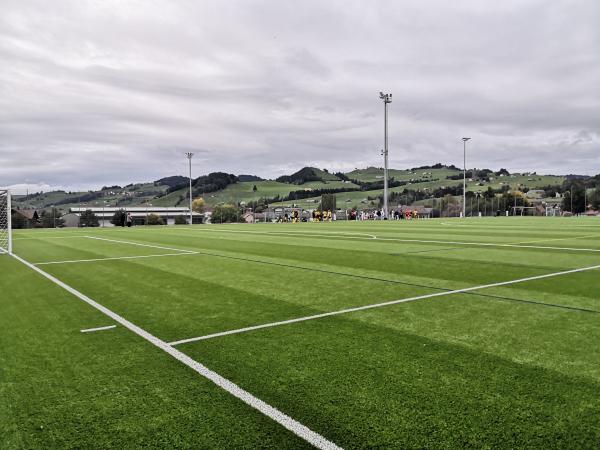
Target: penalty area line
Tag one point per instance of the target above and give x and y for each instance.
(372, 237)
(379, 305)
(114, 258)
(318, 233)
(140, 244)
(273, 413)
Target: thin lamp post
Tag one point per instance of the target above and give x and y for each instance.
(387, 98)
(571, 196)
(465, 139)
(189, 157)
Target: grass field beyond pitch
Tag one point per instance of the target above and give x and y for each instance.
(513, 361)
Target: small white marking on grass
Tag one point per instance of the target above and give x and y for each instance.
(113, 258)
(286, 421)
(90, 330)
(140, 244)
(379, 305)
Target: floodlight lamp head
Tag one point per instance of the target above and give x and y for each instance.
(387, 98)
(465, 139)
(189, 155)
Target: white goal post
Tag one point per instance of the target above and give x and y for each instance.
(5, 222)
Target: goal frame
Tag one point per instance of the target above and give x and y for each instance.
(8, 221)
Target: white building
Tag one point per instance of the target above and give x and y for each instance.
(140, 214)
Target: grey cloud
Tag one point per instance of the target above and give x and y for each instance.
(116, 91)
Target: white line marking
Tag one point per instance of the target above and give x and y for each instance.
(286, 421)
(114, 258)
(49, 237)
(488, 244)
(429, 241)
(453, 224)
(292, 233)
(90, 330)
(557, 239)
(379, 305)
(139, 244)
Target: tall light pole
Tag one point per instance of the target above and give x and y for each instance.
(387, 98)
(464, 208)
(189, 157)
(571, 196)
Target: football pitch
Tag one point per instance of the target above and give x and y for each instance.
(442, 333)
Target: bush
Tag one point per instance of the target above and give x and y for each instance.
(225, 213)
(181, 220)
(154, 219)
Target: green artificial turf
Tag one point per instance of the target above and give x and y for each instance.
(502, 367)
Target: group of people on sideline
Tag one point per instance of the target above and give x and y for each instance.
(329, 216)
(399, 214)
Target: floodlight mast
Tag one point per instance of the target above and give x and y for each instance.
(189, 157)
(387, 98)
(464, 205)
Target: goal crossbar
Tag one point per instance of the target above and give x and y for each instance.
(5, 222)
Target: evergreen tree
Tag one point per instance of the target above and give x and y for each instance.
(88, 219)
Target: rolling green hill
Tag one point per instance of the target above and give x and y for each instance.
(358, 188)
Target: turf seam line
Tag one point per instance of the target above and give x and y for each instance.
(534, 302)
(191, 252)
(286, 421)
(90, 330)
(379, 305)
(387, 280)
(365, 277)
(291, 266)
(112, 258)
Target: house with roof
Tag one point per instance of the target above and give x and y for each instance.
(29, 218)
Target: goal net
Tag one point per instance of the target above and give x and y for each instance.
(5, 225)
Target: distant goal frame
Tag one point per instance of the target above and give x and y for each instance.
(5, 222)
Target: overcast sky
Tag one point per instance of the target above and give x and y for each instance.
(101, 92)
